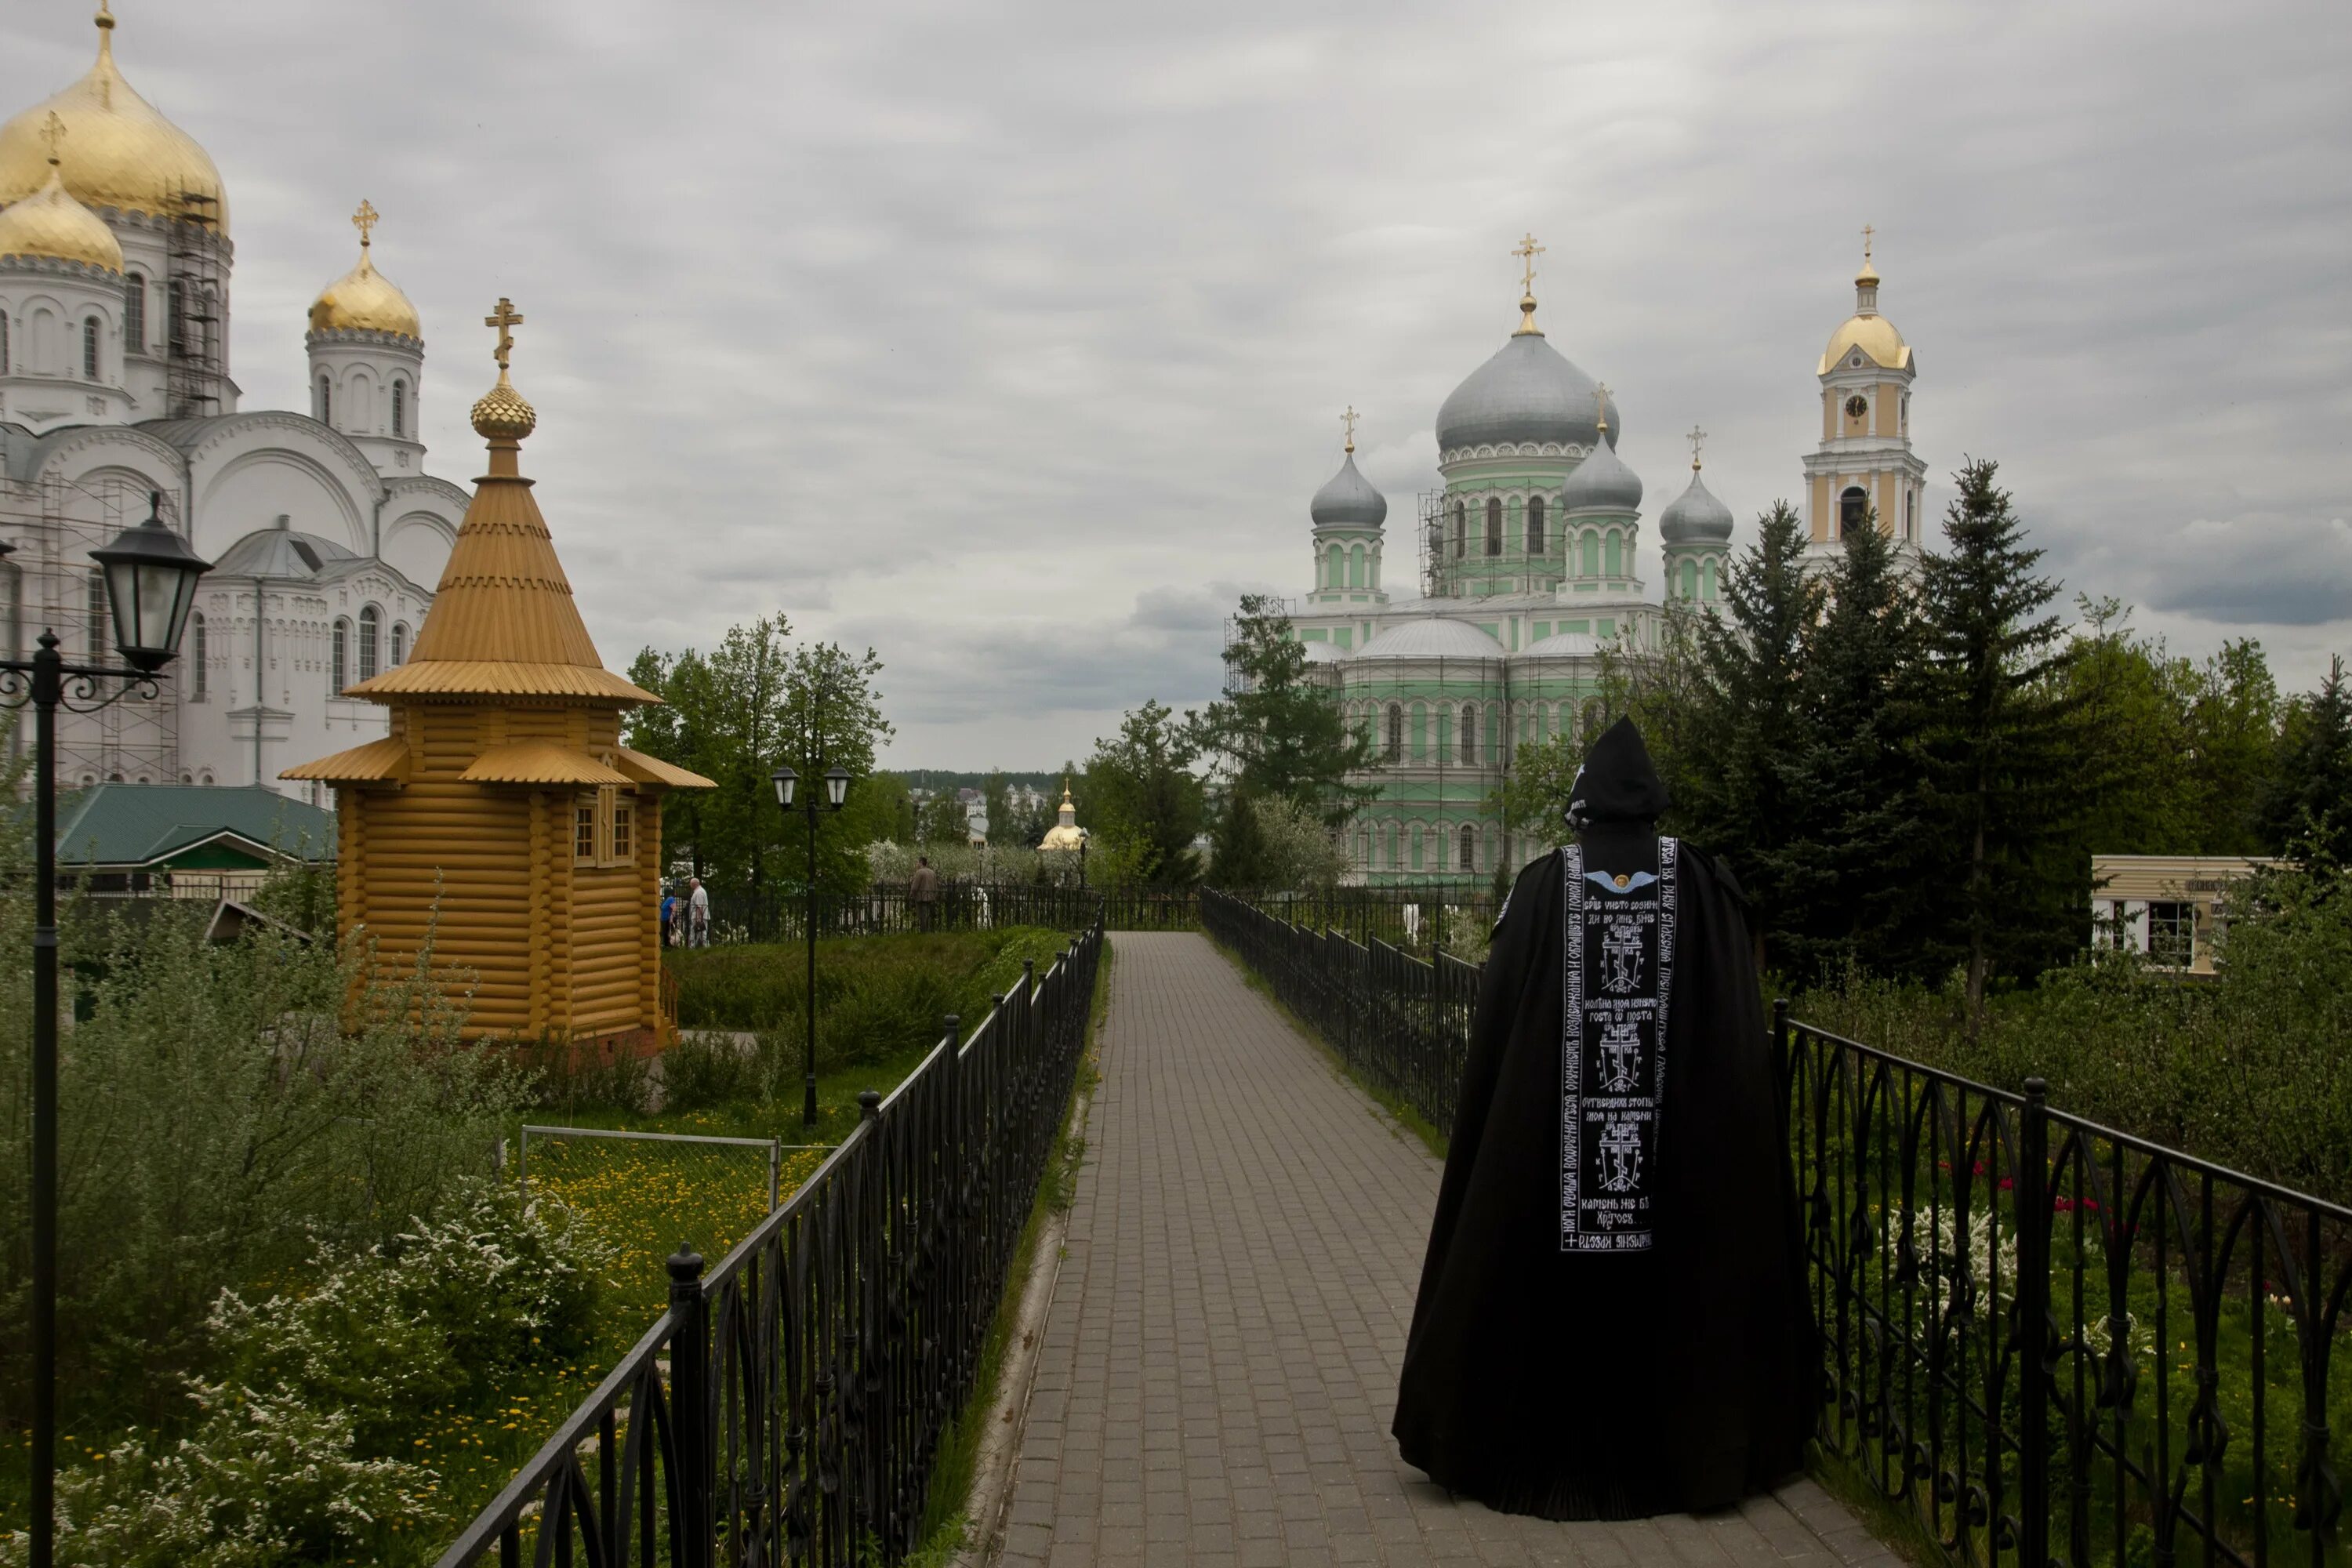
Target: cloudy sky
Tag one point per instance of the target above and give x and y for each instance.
(1012, 339)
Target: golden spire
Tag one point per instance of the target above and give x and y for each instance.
(1868, 277)
(1601, 409)
(1527, 251)
(105, 20)
(1348, 419)
(1695, 436)
(502, 417)
(365, 220)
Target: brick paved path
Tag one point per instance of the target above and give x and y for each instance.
(1219, 1357)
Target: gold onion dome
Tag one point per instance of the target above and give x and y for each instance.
(1867, 330)
(125, 155)
(50, 224)
(365, 300)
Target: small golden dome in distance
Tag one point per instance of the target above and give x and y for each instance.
(365, 300)
(50, 224)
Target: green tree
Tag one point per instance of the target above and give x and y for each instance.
(1278, 731)
(945, 820)
(996, 804)
(2000, 743)
(2309, 808)
(830, 716)
(1144, 800)
(1239, 856)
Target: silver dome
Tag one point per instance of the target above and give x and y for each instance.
(1348, 500)
(1602, 483)
(1528, 392)
(1694, 517)
(1434, 637)
(1565, 645)
(1323, 652)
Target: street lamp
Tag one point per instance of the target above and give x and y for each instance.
(836, 791)
(151, 582)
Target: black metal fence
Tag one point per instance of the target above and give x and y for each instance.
(788, 1406)
(2046, 1341)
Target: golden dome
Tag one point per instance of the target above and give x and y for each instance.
(365, 300)
(121, 153)
(1875, 336)
(501, 414)
(50, 223)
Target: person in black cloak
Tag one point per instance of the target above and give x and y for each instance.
(1612, 1320)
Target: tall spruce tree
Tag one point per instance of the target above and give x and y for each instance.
(1278, 731)
(2310, 807)
(1855, 800)
(1729, 762)
(2002, 744)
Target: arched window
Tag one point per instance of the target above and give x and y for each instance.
(371, 624)
(1493, 525)
(1616, 552)
(1535, 525)
(4, 343)
(1853, 509)
(175, 318)
(1420, 747)
(1690, 579)
(326, 403)
(339, 657)
(94, 608)
(1395, 861)
(1460, 529)
(1707, 576)
(399, 642)
(1469, 861)
(196, 650)
(89, 348)
(1592, 553)
(1355, 566)
(1331, 567)
(1469, 750)
(134, 314)
(1395, 745)
(1910, 514)
(399, 407)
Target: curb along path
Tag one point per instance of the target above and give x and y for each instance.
(1220, 1355)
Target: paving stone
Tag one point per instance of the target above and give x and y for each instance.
(1218, 1364)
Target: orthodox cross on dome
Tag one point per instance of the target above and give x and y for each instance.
(1695, 437)
(52, 133)
(504, 319)
(1601, 405)
(1866, 232)
(1527, 251)
(1348, 419)
(365, 220)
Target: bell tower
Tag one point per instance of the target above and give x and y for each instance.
(1865, 466)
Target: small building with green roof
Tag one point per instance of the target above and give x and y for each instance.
(192, 840)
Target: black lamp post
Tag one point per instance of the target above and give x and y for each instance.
(151, 582)
(836, 791)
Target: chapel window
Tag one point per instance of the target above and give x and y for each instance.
(1853, 509)
(1690, 579)
(1396, 733)
(583, 832)
(1469, 750)
(1493, 525)
(338, 656)
(1469, 861)
(1616, 555)
(371, 625)
(94, 608)
(1910, 514)
(175, 318)
(90, 349)
(1592, 553)
(399, 407)
(624, 823)
(134, 314)
(4, 343)
(399, 643)
(1706, 575)
(326, 403)
(196, 648)
(1535, 525)
(1460, 529)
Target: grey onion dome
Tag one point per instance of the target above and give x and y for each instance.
(1694, 517)
(1528, 392)
(1602, 483)
(1348, 500)
(1432, 636)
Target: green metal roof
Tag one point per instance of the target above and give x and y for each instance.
(152, 824)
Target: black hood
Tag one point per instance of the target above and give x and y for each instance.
(1617, 782)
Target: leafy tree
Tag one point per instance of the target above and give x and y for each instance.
(831, 716)
(945, 821)
(1278, 731)
(2000, 743)
(996, 802)
(1239, 856)
(1144, 800)
(2309, 808)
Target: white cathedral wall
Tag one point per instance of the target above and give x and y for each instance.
(416, 544)
(246, 483)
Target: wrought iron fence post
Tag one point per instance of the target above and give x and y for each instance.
(2033, 1332)
(693, 1536)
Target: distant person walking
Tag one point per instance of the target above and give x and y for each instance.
(669, 917)
(697, 913)
(923, 893)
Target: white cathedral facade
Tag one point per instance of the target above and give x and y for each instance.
(325, 532)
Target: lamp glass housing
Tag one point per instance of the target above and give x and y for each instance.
(151, 585)
(836, 786)
(785, 780)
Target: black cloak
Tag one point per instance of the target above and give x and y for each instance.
(1580, 1383)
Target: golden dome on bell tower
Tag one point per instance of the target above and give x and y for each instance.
(50, 225)
(120, 153)
(365, 300)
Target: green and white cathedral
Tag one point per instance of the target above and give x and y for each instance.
(1526, 582)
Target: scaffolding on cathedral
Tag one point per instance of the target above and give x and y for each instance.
(50, 584)
(192, 294)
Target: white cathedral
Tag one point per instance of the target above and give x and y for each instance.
(325, 532)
